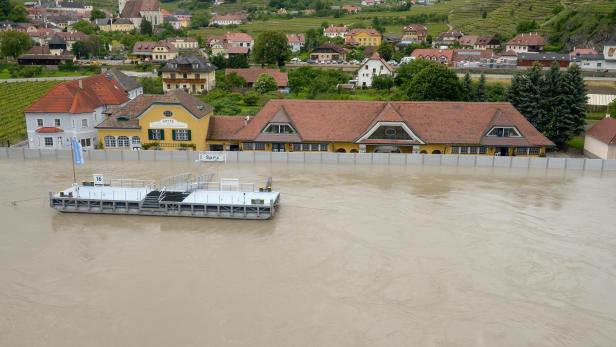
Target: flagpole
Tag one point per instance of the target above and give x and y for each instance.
(73, 162)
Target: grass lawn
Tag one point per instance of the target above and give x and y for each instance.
(577, 143)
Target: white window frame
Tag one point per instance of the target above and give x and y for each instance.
(84, 123)
(517, 132)
(57, 122)
(123, 141)
(136, 140)
(110, 141)
(39, 122)
(400, 124)
(181, 135)
(279, 125)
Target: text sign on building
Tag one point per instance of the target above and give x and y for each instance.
(99, 180)
(168, 123)
(212, 157)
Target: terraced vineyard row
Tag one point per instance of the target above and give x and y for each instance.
(15, 98)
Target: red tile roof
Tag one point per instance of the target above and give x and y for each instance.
(237, 37)
(527, 39)
(369, 31)
(432, 122)
(80, 96)
(251, 75)
(296, 38)
(224, 127)
(335, 29)
(428, 53)
(604, 131)
(416, 28)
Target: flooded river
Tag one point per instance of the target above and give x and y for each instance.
(357, 256)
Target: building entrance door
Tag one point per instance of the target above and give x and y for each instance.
(502, 151)
(277, 147)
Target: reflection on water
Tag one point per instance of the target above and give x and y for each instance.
(368, 256)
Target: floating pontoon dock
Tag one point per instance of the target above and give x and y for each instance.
(180, 195)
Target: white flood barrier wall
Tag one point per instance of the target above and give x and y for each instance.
(446, 160)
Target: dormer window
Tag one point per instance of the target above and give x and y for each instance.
(390, 132)
(504, 132)
(279, 128)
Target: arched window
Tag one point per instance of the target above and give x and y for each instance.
(110, 141)
(136, 140)
(341, 150)
(123, 141)
(436, 151)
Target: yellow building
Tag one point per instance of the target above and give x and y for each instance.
(171, 121)
(113, 25)
(190, 73)
(386, 127)
(164, 51)
(363, 37)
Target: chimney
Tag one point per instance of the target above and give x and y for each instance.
(80, 84)
(246, 120)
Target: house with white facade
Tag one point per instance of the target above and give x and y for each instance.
(375, 66)
(600, 140)
(72, 109)
(526, 42)
(335, 31)
(296, 42)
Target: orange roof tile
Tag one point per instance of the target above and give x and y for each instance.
(251, 75)
(604, 131)
(433, 122)
(80, 96)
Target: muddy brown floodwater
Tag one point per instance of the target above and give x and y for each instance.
(357, 256)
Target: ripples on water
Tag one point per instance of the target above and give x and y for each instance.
(356, 256)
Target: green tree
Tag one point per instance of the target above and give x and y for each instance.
(14, 43)
(386, 50)
(383, 82)
(97, 14)
(406, 72)
(251, 98)
(265, 83)
(314, 39)
(271, 47)
(152, 85)
(12, 10)
(467, 87)
(525, 94)
(85, 27)
(527, 26)
(554, 101)
(480, 91)
(435, 82)
(229, 81)
(146, 27)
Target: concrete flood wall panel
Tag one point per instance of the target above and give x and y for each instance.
(381, 159)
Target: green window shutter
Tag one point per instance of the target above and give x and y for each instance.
(150, 134)
(189, 135)
(173, 136)
(162, 134)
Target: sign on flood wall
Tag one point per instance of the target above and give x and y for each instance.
(451, 160)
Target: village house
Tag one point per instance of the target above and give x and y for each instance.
(600, 140)
(172, 121)
(609, 54)
(375, 66)
(328, 52)
(351, 9)
(72, 109)
(296, 42)
(470, 58)
(42, 55)
(286, 125)
(182, 18)
(71, 37)
(137, 10)
(545, 59)
(443, 56)
(335, 31)
(363, 37)
(479, 42)
(231, 43)
(115, 25)
(229, 19)
(156, 51)
(128, 83)
(183, 43)
(190, 73)
(526, 42)
(414, 33)
(252, 75)
(449, 38)
(372, 2)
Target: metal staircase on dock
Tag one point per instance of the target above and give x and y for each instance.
(151, 200)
